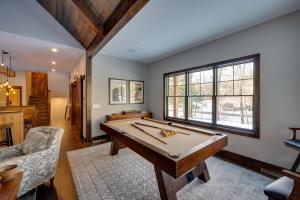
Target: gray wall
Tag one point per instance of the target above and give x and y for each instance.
(58, 83)
(278, 42)
(105, 67)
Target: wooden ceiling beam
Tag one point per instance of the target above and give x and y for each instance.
(97, 39)
(87, 13)
(126, 10)
(58, 10)
(117, 14)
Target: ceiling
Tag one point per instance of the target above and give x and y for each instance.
(92, 22)
(163, 28)
(30, 29)
(28, 18)
(36, 55)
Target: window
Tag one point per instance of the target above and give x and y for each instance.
(222, 96)
(200, 95)
(176, 96)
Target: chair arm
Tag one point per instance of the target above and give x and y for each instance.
(294, 130)
(12, 151)
(40, 158)
(24, 159)
(32, 161)
(295, 194)
(37, 168)
(292, 175)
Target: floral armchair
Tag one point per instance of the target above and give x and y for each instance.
(37, 157)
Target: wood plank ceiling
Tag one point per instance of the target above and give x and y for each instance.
(93, 22)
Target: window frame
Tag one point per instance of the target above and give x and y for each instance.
(167, 96)
(254, 133)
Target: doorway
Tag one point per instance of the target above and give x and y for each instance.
(76, 99)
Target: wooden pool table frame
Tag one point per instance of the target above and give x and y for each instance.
(172, 173)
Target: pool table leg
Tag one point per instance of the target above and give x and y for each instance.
(165, 185)
(114, 147)
(168, 186)
(204, 176)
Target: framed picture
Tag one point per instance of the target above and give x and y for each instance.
(136, 92)
(117, 91)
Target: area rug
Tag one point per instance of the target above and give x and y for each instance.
(128, 176)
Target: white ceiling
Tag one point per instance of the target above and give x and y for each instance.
(29, 32)
(29, 18)
(166, 27)
(36, 55)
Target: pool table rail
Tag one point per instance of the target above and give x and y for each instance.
(161, 159)
(150, 152)
(183, 126)
(200, 153)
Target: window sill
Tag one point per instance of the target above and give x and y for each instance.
(246, 133)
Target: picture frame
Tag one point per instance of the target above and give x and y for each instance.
(136, 92)
(117, 91)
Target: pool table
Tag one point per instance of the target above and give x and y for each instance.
(177, 159)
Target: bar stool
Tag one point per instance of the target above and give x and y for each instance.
(9, 140)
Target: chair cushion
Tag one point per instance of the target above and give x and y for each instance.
(280, 189)
(35, 141)
(294, 143)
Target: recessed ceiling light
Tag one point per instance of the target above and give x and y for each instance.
(53, 70)
(53, 63)
(54, 50)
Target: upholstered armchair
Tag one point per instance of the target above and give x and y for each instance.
(37, 157)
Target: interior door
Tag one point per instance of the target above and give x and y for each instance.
(73, 103)
(77, 105)
(39, 84)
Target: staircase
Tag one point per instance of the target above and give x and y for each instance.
(40, 97)
(43, 106)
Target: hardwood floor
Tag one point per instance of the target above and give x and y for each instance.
(64, 188)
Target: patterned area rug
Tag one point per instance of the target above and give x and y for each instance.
(127, 176)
